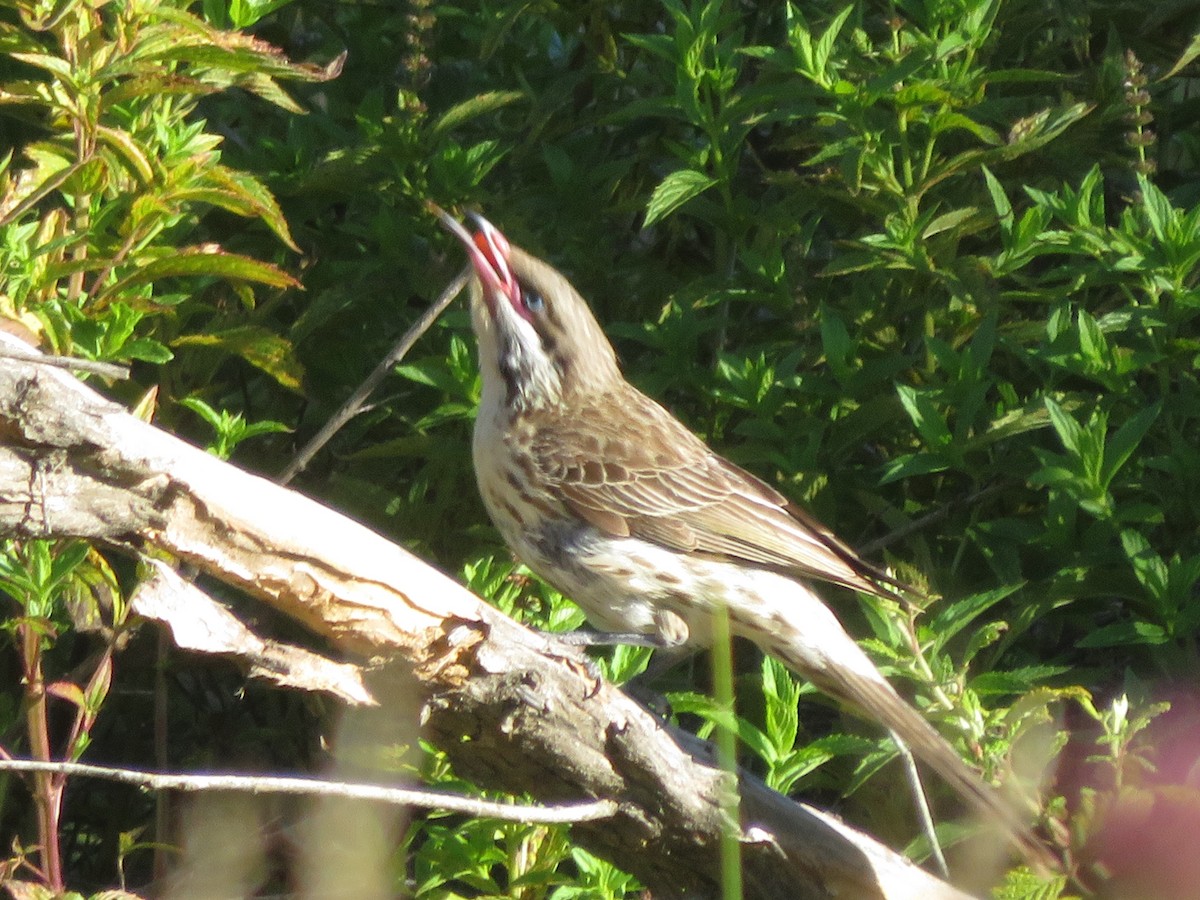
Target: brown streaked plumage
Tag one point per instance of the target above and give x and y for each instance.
(612, 500)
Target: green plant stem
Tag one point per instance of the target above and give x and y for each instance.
(162, 804)
(731, 848)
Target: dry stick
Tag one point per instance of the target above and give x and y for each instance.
(870, 548)
(108, 370)
(921, 802)
(584, 811)
(354, 404)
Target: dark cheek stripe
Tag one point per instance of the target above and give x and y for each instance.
(508, 371)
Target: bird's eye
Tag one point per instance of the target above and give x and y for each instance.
(533, 300)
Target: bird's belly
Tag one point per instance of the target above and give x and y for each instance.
(626, 584)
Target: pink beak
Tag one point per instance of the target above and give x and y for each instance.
(488, 250)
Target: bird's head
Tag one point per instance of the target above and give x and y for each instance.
(538, 340)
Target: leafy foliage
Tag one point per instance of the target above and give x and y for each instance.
(929, 267)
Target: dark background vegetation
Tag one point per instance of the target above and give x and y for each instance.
(927, 267)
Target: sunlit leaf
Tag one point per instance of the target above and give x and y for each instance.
(203, 262)
(476, 106)
(260, 347)
(675, 190)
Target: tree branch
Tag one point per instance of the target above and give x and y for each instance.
(514, 710)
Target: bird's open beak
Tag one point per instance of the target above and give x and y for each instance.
(488, 250)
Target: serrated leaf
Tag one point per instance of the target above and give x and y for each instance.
(476, 106)
(130, 150)
(1015, 681)
(202, 262)
(1025, 884)
(248, 189)
(268, 89)
(675, 190)
(32, 192)
(55, 65)
(261, 348)
(952, 619)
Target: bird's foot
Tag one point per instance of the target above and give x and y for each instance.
(650, 700)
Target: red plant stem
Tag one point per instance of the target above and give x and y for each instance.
(48, 788)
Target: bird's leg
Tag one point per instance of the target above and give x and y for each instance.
(670, 632)
(590, 637)
(669, 639)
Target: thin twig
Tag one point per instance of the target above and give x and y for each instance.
(108, 370)
(921, 801)
(869, 549)
(274, 784)
(355, 402)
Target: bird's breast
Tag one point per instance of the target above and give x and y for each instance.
(515, 496)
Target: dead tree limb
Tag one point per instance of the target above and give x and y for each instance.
(514, 710)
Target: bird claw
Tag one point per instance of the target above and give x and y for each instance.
(650, 700)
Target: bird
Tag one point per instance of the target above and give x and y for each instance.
(616, 504)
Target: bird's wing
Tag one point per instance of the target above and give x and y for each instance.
(631, 469)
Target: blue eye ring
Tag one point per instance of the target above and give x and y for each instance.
(534, 302)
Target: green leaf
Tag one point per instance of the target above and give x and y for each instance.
(1025, 884)
(203, 410)
(202, 262)
(1159, 211)
(1124, 633)
(1125, 440)
(836, 342)
(1000, 201)
(1069, 431)
(1190, 52)
(929, 422)
(949, 220)
(675, 190)
(257, 199)
(261, 348)
(130, 150)
(911, 464)
(146, 349)
(957, 616)
(1015, 681)
(1148, 566)
(476, 106)
(55, 65)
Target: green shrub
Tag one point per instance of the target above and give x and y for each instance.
(928, 267)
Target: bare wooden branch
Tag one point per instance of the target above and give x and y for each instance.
(199, 623)
(514, 710)
(357, 400)
(108, 370)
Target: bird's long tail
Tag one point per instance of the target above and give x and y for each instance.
(809, 640)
